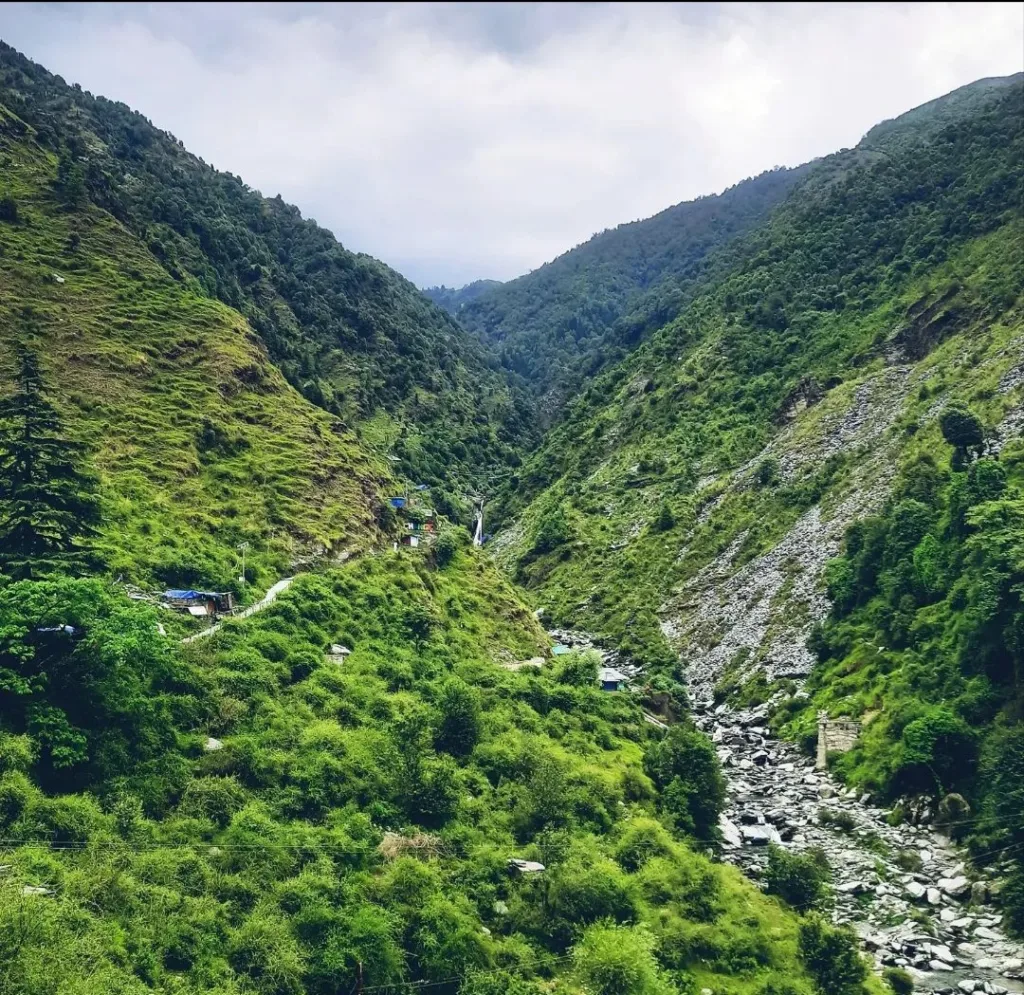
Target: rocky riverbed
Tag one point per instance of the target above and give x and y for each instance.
(906, 890)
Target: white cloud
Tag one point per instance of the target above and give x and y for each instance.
(456, 141)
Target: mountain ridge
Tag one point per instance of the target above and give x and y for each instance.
(576, 314)
(355, 337)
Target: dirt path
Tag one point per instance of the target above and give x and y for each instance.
(268, 599)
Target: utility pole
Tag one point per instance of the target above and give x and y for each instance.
(243, 546)
(359, 982)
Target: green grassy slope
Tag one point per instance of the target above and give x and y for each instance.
(351, 334)
(357, 820)
(200, 442)
(568, 319)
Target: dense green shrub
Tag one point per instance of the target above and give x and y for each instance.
(666, 519)
(832, 957)
(615, 960)
(901, 982)
(963, 430)
(553, 530)
(938, 752)
(685, 768)
(799, 879)
(459, 726)
(445, 547)
(579, 669)
(580, 894)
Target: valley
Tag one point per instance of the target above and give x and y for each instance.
(750, 466)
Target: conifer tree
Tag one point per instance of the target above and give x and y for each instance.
(48, 501)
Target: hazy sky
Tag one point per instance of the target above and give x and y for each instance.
(458, 141)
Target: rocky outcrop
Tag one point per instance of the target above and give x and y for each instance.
(725, 609)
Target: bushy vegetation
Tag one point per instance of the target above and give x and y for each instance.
(801, 880)
(901, 982)
(349, 820)
(831, 957)
(926, 621)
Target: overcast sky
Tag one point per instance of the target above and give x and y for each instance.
(458, 141)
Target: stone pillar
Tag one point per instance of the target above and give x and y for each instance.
(821, 761)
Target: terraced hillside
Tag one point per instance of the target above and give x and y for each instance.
(353, 336)
(200, 442)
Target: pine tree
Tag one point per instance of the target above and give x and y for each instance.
(70, 182)
(48, 502)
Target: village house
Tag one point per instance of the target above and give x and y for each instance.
(199, 603)
(611, 679)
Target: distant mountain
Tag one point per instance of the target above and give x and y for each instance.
(353, 336)
(568, 319)
(453, 300)
(927, 119)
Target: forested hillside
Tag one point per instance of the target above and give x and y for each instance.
(835, 290)
(687, 507)
(454, 299)
(567, 320)
(353, 336)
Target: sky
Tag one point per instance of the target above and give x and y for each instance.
(460, 141)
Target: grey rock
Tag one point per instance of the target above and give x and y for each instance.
(958, 887)
(916, 890)
(761, 835)
(730, 834)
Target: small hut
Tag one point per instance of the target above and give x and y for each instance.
(199, 603)
(612, 679)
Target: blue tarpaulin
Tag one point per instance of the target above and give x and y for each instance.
(398, 502)
(185, 595)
